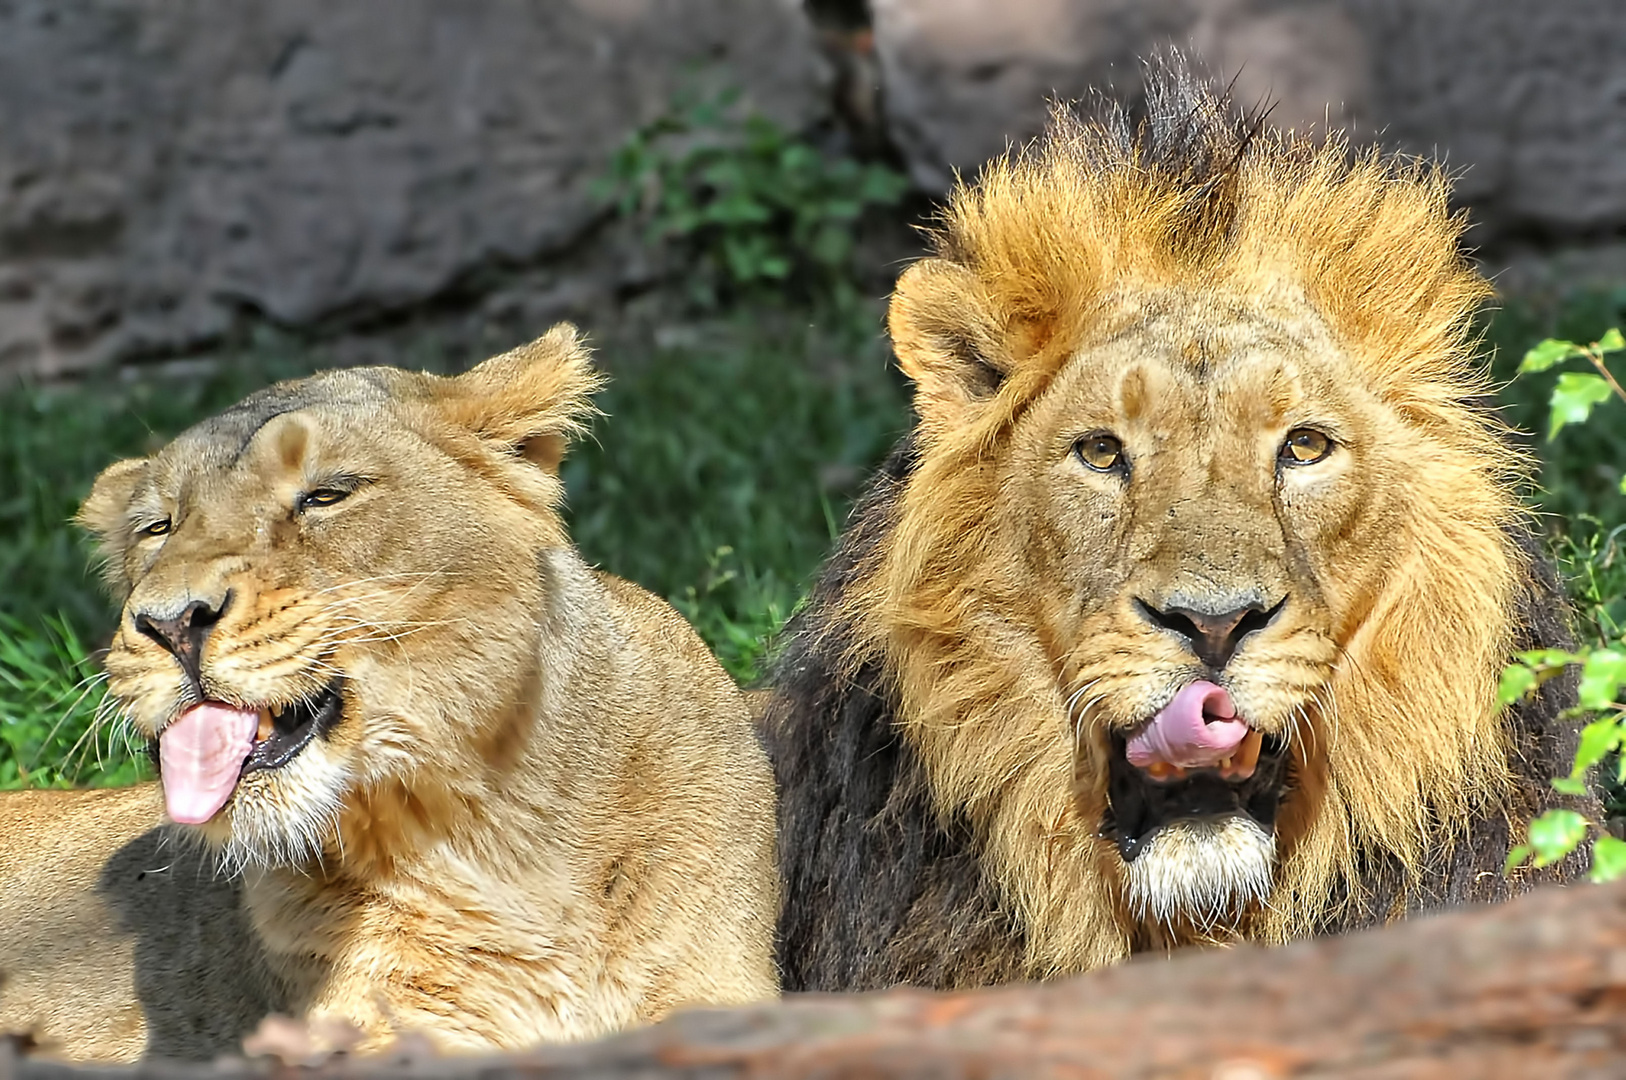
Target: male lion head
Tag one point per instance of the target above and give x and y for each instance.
(1193, 591)
(333, 585)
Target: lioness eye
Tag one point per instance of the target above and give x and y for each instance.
(1304, 446)
(1100, 451)
(157, 528)
(322, 497)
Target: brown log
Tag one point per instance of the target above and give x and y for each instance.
(1533, 988)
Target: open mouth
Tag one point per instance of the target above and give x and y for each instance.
(1194, 759)
(283, 733)
(205, 751)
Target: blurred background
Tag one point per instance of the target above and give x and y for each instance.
(199, 198)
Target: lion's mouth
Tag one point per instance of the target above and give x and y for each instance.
(282, 733)
(1195, 759)
(205, 751)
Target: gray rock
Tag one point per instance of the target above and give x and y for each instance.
(170, 166)
(1525, 100)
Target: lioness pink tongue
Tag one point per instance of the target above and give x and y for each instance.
(200, 756)
(1194, 731)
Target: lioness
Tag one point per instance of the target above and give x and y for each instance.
(470, 786)
(1179, 616)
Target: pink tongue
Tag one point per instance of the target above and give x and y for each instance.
(1195, 730)
(200, 756)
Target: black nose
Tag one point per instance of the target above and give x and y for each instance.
(183, 634)
(1214, 638)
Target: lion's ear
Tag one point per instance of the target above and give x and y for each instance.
(534, 399)
(947, 341)
(105, 512)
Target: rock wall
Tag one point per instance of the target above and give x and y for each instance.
(171, 167)
(1527, 100)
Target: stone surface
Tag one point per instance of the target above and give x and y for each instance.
(1525, 100)
(1535, 987)
(171, 167)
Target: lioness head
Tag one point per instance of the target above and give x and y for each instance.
(1198, 589)
(334, 584)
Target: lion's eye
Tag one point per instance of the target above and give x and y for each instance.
(157, 528)
(1304, 446)
(322, 497)
(1100, 451)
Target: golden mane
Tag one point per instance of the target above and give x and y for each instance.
(1032, 264)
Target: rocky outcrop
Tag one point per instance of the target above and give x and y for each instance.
(1524, 100)
(170, 167)
(1536, 987)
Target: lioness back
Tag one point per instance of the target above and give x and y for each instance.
(456, 781)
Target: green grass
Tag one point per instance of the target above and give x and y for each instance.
(718, 478)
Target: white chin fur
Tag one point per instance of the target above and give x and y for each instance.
(1205, 871)
(283, 817)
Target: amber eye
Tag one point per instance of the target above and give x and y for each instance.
(1100, 451)
(157, 528)
(1304, 446)
(322, 497)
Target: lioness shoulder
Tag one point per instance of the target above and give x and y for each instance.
(463, 783)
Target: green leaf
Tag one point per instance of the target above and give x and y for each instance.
(1612, 341)
(1601, 678)
(1517, 681)
(1555, 834)
(1549, 657)
(1549, 352)
(1597, 739)
(1573, 398)
(1623, 484)
(1608, 859)
(1516, 858)
(1569, 785)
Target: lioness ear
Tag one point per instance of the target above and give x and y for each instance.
(947, 341)
(105, 513)
(534, 399)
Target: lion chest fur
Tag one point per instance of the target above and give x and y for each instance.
(470, 786)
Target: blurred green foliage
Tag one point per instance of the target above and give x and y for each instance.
(745, 207)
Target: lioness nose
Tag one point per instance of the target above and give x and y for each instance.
(183, 634)
(1214, 638)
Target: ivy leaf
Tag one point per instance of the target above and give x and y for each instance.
(1612, 341)
(1517, 681)
(1555, 834)
(1573, 398)
(1601, 676)
(1608, 859)
(1549, 352)
(1516, 858)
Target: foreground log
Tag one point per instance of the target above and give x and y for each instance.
(1536, 987)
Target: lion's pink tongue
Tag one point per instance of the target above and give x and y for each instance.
(200, 756)
(1194, 731)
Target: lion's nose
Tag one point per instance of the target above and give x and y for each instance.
(1213, 637)
(183, 634)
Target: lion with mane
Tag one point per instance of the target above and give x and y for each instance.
(1179, 616)
(427, 770)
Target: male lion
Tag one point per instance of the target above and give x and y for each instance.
(1179, 615)
(472, 787)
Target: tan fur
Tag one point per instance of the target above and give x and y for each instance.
(67, 967)
(544, 814)
(1078, 288)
